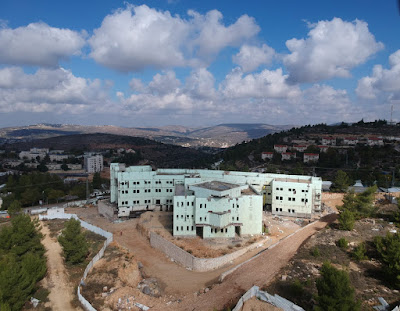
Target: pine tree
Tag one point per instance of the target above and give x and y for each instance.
(335, 291)
(73, 242)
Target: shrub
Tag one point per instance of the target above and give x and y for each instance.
(342, 243)
(389, 249)
(346, 220)
(73, 242)
(315, 252)
(335, 291)
(359, 252)
(296, 288)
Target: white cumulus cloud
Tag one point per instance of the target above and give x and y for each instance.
(140, 37)
(50, 90)
(268, 83)
(251, 57)
(331, 49)
(38, 44)
(382, 81)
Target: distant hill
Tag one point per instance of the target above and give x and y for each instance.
(219, 136)
(152, 152)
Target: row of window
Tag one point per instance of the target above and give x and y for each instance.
(187, 204)
(186, 216)
(215, 230)
(146, 182)
(289, 210)
(187, 228)
(233, 205)
(145, 190)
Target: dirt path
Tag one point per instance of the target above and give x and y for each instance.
(56, 280)
(261, 270)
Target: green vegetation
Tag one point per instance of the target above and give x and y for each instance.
(22, 262)
(341, 182)
(389, 250)
(356, 206)
(343, 243)
(335, 291)
(74, 243)
(346, 220)
(359, 252)
(315, 252)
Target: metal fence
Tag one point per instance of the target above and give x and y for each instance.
(84, 224)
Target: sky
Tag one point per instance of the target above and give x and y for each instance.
(198, 63)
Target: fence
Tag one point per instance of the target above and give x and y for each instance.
(84, 224)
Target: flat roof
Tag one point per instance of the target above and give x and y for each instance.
(304, 181)
(216, 185)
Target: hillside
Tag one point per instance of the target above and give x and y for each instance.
(360, 161)
(219, 136)
(152, 152)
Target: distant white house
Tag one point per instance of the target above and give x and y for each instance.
(267, 155)
(94, 163)
(311, 157)
(300, 148)
(288, 155)
(323, 148)
(280, 148)
(331, 141)
(350, 141)
(374, 141)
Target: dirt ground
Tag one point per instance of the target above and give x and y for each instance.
(161, 223)
(56, 280)
(189, 290)
(296, 281)
(253, 304)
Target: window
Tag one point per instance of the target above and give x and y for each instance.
(205, 218)
(222, 230)
(237, 205)
(181, 216)
(187, 203)
(201, 218)
(192, 228)
(276, 209)
(277, 189)
(281, 198)
(293, 199)
(237, 218)
(233, 205)
(182, 228)
(201, 205)
(205, 205)
(226, 230)
(192, 203)
(138, 191)
(280, 210)
(177, 228)
(290, 199)
(277, 198)
(281, 189)
(177, 216)
(233, 218)
(302, 200)
(187, 228)
(290, 189)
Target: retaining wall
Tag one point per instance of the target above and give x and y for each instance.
(194, 263)
(105, 209)
(106, 234)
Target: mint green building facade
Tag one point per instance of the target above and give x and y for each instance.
(212, 203)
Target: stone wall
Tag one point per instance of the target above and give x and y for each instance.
(105, 209)
(194, 263)
(171, 250)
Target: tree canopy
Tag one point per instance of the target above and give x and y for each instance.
(335, 291)
(73, 241)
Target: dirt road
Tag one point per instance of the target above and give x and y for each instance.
(259, 271)
(180, 282)
(56, 280)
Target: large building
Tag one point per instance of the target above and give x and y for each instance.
(213, 203)
(94, 163)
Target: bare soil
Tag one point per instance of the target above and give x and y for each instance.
(189, 290)
(296, 281)
(56, 280)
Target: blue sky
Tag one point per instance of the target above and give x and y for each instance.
(198, 63)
